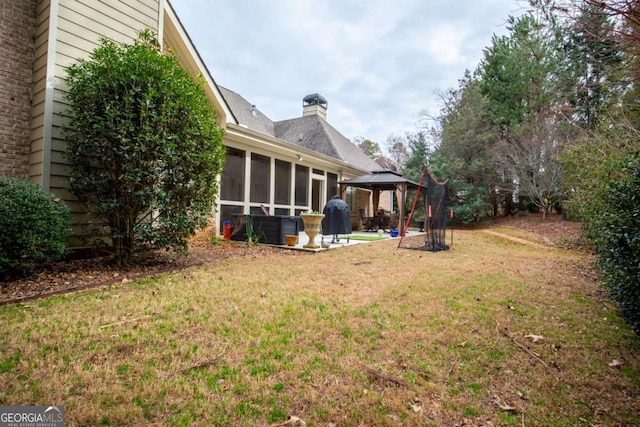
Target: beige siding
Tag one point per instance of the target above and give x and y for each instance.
(39, 87)
(36, 166)
(78, 26)
(81, 25)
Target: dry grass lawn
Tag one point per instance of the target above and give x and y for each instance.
(503, 329)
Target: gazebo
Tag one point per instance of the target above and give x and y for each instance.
(382, 180)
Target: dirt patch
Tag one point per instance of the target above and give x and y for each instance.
(79, 274)
(520, 240)
(553, 230)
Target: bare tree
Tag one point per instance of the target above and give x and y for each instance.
(397, 149)
(532, 159)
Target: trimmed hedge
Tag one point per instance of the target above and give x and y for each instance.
(34, 227)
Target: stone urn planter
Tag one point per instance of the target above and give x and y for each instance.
(311, 228)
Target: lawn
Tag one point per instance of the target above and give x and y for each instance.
(495, 331)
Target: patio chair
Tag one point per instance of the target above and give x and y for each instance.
(368, 222)
(382, 220)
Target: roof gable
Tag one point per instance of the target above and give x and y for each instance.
(310, 131)
(317, 134)
(306, 132)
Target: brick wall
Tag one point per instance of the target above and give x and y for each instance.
(17, 45)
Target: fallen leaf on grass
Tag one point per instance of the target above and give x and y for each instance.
(535, 338)
(507, 407)
(503, 405)
(292, 421)
(615, 363)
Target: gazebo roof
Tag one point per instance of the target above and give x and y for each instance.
(383, 179)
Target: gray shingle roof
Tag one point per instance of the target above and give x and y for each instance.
(246, 113)
(317, 134)
(383, 179)
(310, 132)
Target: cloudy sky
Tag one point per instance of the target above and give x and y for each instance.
(379, 63)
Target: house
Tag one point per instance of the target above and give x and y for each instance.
(286, 167)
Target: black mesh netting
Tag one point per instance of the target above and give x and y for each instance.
(429, 215)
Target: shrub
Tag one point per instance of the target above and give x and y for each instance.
(618, 244)
(470, 204)
(605, 194)
(34, 227)
(143, 145)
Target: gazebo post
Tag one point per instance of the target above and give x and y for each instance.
(376, 200)
(403, 190)
(343, 191)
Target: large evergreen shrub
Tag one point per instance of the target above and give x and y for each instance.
(605, 195)
(144, 145)
(618, 241)
(33, 224)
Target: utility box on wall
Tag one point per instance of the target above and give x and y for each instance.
(269, 229)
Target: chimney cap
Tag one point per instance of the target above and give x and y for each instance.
(314, 99)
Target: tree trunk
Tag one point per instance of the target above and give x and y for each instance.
(123, 251)
(508, 203)
(122, 242)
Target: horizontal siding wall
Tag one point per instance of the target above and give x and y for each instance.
(79, 26)
(39, 92)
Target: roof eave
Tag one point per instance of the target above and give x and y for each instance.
(243, 135)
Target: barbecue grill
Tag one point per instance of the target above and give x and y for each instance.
(337, 219)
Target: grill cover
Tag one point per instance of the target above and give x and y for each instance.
(337, 217)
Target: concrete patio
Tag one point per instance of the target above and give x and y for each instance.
(355, 238)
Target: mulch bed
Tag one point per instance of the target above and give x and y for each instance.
(78, 274)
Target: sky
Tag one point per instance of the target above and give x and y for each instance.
(380, 64)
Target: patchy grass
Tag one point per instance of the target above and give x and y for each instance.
(493, 331)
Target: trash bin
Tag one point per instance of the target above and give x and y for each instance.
(226, 228)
